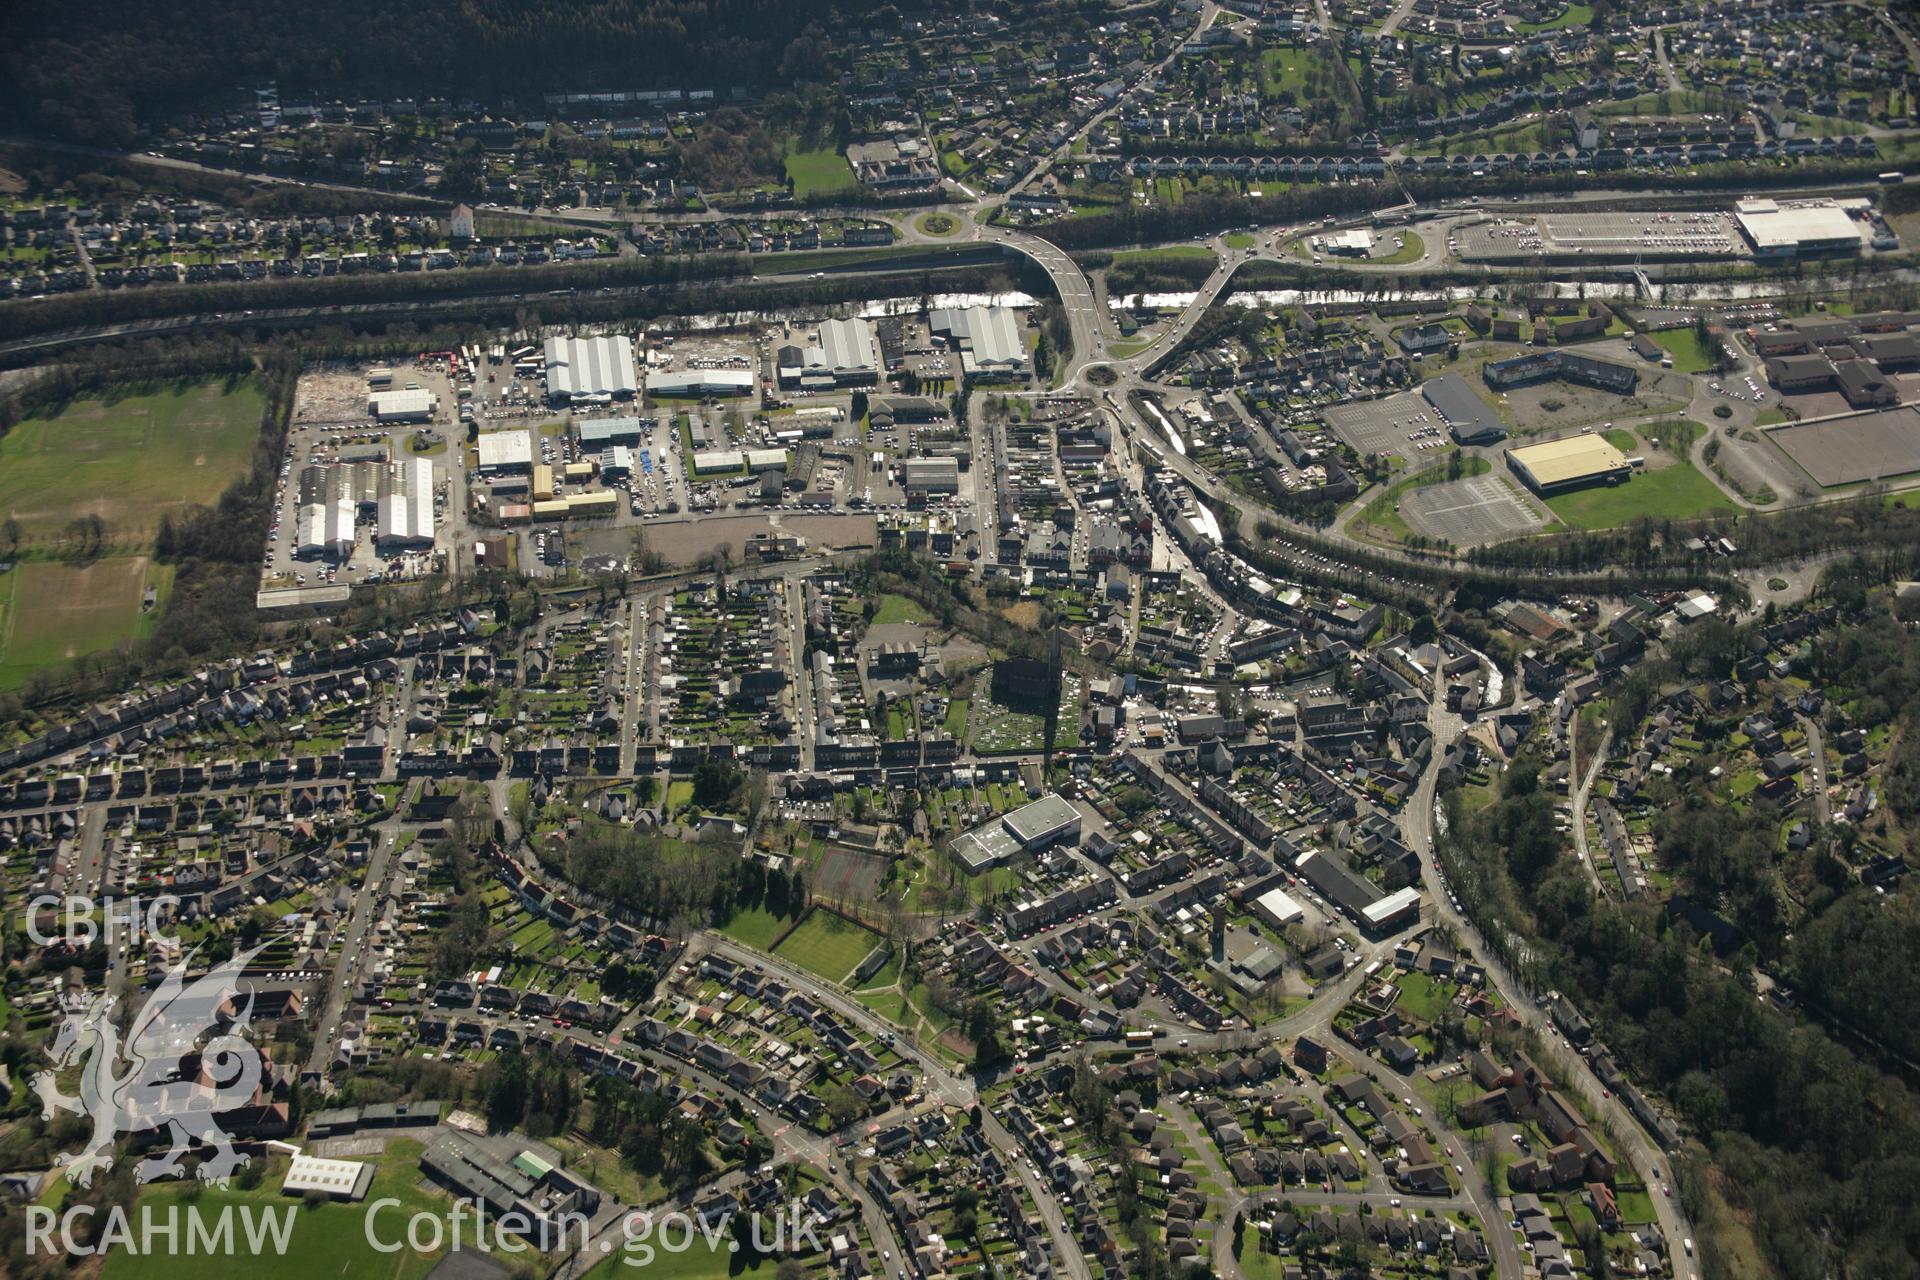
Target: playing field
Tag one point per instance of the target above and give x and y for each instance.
(51, 611)
(326, 1241)
(128, 459)
(1676, 492)
(818, 173)
(699, 1261)
(828, 944)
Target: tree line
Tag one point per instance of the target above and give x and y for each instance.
(1868, 524)
(1813, 1142)
(139, 64)
(102, 306)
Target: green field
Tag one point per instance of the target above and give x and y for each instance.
(1410, 250)
(696, 1263)
(1675, 435)
(1688, 352)
(128, 459)
(326, 1241)
(1577, 15)
(899, 609)
(1172, 253)
(1676, 492)
(818, 173)
(757, 927)
(828, 944)
(51, 611)
(1288, 69)
(1240, 240)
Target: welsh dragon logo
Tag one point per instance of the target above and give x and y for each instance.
(173, 1083)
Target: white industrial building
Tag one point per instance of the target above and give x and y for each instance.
(930, 475)
(846, 353)
(701, 382)
(986, 338)
(412, 404)
(1278, 909)
(505, 452)
(406, 505)
(591, 370)
(710, 461)
(1797, 227)
(335, 1179)
(326, 529)
(1356, 242)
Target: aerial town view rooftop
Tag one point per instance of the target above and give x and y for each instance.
(1100, 640)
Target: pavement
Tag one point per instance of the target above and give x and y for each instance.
(355, 946)
(1632, 1146)
(1581, 794)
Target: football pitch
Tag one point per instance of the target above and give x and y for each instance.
(128, 459)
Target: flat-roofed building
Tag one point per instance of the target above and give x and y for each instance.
(410, 404)
(1470, 419)
(1033, 826)
(1355, 242)
(502, 452)
(1398, 908)
(345, 1180)
(597, 434)
(582, 506)
(1798, 227)
(1042, 822)
(526, 1192)
(700, 382)
(1569, 463)
(591, 370)
(1277, 908)
(759, 460)
(930, 475)
(718, 460)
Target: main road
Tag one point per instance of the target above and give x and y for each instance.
(1417, 822)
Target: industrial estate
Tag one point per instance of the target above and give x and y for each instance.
(1087, 641)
